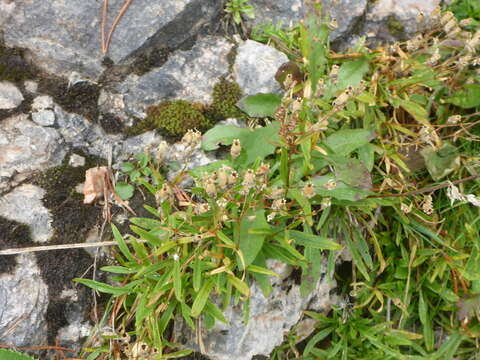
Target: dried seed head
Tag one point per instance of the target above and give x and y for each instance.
(279, 204)
(406, 209)
(326, 202)
(165, 193)
(454, 32)
(450, 25)
(236, 148)
(263, 169)
(296, 105)
(191, 137)
(222, 203)
(446, 17)
(288, 83)
(210, 188)
(454, 119)
(271, 216)
(308, 191)
(223, 177)
(320, 88)
(476, 61)
(435, 57)
(333, 25)
(330, 185)
(466, 22)
(421, 17)
(464, 61)
(232, 178)
(427, 205)
(321, 125)
(201, 208)
(249, 179)
(276, 193)
(342, 99)
(162, 150)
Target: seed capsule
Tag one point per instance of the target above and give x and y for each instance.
(236, 148)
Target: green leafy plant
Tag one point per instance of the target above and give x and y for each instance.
(239, 8)
(371, 152)
(6, 354)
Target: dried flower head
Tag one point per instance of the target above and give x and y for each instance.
(333, 24)
(249, 179)
(162, 150)
(326, 202)
(232, 178)
(210, 188)
(446, 17)
(263, 169)
(236, 148)
(330, 185)
(201, 208)
(308, 191)
(454, 119)
(191, 137)
(427, 204)
(279, 204)
(406, 209)
(165, 193)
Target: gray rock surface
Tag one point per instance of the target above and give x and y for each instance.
(270, 319)
(26, 146)
(23, 304)
(388, 20)
(188, 75)
(64, 36)
(348, 14)
(10, 96)
(284, 12)
(255, 67)
(24, 204)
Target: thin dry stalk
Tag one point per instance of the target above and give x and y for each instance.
(106, 43)
(61, 247)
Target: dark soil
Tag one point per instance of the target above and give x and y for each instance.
(111, 123)
(12, 235)
(71, 221)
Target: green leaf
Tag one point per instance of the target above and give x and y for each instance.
(341, 191)
(351, 73)
(177, 280)
(354, 173)
(122, 245)
(417, 111)
(260, 105)
(105, 288)
(118, 270)
(257, 143)
(261, 270)
(441, 162)
(314, 241)
(146, 235)
(197, 274)
(6, 354)
(214, 311)
(146, 223)
(239, 285)
(127, 167)
(124, 190)
(343, 142)
(319, 336)
(201, 298)
(251, 243)
(468, 97)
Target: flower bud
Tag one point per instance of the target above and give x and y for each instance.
(236, 148)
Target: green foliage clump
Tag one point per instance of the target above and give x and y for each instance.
(225, 95)
(6, 354)
(175, 117)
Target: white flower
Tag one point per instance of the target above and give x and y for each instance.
(454, 194)
(474, 200)
(176, 257)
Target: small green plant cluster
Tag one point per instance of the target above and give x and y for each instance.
(6, 354)
(175, 117)
(238, 9)
(374, 153)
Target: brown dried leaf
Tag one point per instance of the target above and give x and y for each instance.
(94, 184)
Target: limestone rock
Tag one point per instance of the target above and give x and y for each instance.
(188, 75)
(24, 204)
(64, 36)
(10, 96)
(389, 20)
(255, 67)
(270, 319)
(23, 304)
(26, 146)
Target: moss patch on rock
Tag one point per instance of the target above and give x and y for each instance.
(173, 118)
(395, 27)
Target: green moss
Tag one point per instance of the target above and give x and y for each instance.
(12, 65)
(225, 95)
(174, 117)
(396, 28)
